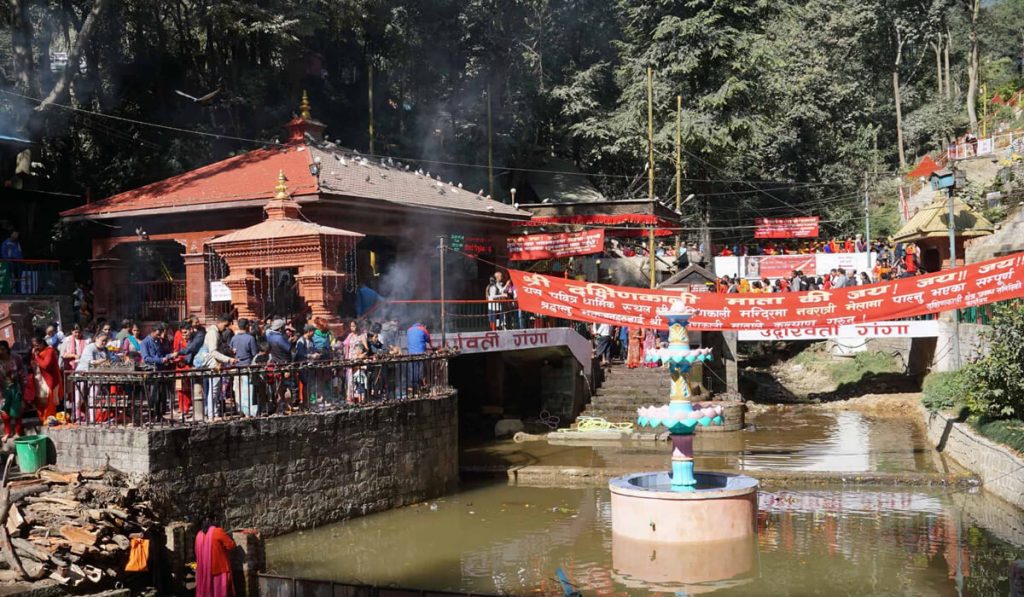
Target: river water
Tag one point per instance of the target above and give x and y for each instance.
(794, 439)
(495, 538)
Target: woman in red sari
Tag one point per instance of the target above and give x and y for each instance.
(184, 386)
(48, 377)
(213, 562)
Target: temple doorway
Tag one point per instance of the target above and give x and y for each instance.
(277, 292)
(153, 284)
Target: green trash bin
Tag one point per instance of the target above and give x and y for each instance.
(31, 451)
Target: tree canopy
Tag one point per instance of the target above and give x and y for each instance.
(788, 105)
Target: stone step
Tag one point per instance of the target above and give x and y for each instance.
(660, 387)
(630, 397)
(626, 387)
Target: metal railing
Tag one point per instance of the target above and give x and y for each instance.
(158, 300)
(474, 316)
(33, 276)
(122, 397)
(1012, 141)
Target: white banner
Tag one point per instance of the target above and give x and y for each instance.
(858, 331)
(823, 263)
(474, 342)
(219, 291)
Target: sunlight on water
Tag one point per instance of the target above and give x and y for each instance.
(502, 539)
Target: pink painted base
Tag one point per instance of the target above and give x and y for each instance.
(644, 509)
(668, 567)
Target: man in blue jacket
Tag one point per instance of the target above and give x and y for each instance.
(418, 339)
(152, 351)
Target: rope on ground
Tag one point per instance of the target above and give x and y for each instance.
(546, 419)
(585, 423)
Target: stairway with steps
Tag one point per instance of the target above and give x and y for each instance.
(624, 390)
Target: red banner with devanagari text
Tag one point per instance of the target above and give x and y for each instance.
(806, 227)
(555, 246)
(970, 286)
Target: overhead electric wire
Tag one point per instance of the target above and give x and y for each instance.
(265, 143)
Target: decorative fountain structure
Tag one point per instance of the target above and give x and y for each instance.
(682, 506)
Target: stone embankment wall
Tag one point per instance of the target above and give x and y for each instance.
(1000, 469)
(280, 474)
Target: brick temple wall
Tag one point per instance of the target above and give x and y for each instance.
(281, 474)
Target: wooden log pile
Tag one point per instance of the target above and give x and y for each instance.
(73, 527)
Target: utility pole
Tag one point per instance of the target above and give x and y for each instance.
(490, 146)
(650, 174)
(650, 133)
(679, 169)
(867, 217)
(369, 98)
(705, 237)
(951, 220)
(984, 111)
(652, 264)
(444, 328)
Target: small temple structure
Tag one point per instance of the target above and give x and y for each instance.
(164, 251)
(317, 253)
(929, 230)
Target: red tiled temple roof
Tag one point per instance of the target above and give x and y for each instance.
(243, 178)
(239, 178)
(343, 173)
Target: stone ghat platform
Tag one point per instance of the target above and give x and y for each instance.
(281, 474)
(538, 475)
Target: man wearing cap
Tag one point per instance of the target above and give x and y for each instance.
(280, 347)
(218, 354)
(280, 353)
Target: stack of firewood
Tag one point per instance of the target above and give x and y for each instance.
(73, 527)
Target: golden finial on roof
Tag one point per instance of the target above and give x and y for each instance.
(304, 107)
(282, 187)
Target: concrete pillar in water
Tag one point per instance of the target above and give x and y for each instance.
(1017, 578)
(249, 560)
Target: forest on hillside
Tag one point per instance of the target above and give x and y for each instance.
(788, 106)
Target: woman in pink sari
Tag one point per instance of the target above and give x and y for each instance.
(650, 343)
(213, 562)
(354, 346)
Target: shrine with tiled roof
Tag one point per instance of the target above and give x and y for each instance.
(169, 223)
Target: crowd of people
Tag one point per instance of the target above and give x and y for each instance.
(902, 261)
(628, 344)
(855, 244)
(228, 346)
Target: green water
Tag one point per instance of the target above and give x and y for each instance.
(502, 539)
(797, 439)
(495, 538)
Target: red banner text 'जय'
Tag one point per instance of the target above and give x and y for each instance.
(970, 286)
